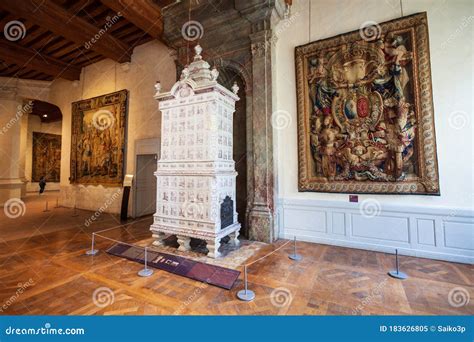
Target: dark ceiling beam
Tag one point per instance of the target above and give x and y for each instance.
(28, 58)
(54, 18)
(142, 13)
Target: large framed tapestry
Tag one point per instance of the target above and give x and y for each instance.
(365, 111)
(98, 139)
(46, 157)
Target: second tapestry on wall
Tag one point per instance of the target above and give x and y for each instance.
(46, 157)
(365, 111)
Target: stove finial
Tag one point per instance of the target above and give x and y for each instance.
(235, 88)
(197, 50)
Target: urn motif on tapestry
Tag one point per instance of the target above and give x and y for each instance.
(196, 173)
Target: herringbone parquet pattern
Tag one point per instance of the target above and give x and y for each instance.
(48, 273)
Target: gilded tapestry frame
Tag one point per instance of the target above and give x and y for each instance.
(98, 139)
(314, 148)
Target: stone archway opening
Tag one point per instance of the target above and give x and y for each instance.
(227, 77)
(43, 146)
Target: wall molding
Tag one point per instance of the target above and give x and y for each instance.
(443, 233)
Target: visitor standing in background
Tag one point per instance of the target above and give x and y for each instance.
(42, 184)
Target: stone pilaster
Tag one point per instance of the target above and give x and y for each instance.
(261, 210)
(11, 114)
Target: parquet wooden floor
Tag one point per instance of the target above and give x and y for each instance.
(43, 270)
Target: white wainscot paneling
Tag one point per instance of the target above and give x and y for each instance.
(430, 232)
(459, 235)
(426, 232)
(339, 223)
(311, 221)
(380, 227)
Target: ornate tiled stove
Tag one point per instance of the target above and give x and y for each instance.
(196, 173)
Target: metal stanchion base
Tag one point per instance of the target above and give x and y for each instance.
(397, 275)
(146, 272)
(92, 252)
(295, 257)
(246, 295)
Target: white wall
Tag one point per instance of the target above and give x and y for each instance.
(35, 125)
(150, 62)
(451, 33)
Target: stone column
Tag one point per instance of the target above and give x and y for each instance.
(11, 113)
(261, 212)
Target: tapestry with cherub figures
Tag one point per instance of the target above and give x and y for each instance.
(365, 111)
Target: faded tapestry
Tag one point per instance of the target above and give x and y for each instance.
(98, 139)
(46, 157)
(365, 111)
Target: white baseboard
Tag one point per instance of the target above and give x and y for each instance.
(427, 232)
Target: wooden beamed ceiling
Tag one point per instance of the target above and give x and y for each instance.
(48, 39)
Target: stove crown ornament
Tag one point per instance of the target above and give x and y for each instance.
(158, 87)
(197, 76)
(185, 73)
(235, 88)
(214, 73)
(198, 50)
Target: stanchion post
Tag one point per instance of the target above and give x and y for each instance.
(92, 251)
(396, 273)
(295, 256)
(57, 203)
(246, 294)
(74, 213)
(46, 207)
(146, 272)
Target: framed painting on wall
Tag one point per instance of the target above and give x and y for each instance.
(365, 111)
(46, 157)
(98, 139)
